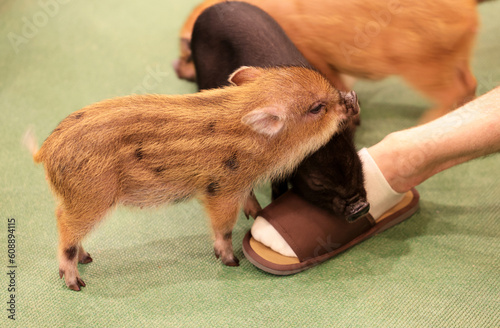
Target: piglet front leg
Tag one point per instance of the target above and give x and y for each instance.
(223, 212)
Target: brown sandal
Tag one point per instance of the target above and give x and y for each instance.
(314, 234)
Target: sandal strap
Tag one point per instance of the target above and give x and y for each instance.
(309, 230)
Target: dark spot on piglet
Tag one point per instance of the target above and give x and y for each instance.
(212, 188)
(138, 153)
(211, 127)
(232, 162)
(227, 236)
(71, 252)
(159, 169)
(82, 164)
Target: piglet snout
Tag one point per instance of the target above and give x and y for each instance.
(356, 209)
(350, 102)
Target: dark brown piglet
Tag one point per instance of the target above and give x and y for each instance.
(233, 34)
(146, 150)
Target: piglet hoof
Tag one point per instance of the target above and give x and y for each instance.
(80, 282)
(85, 259)
(251, 212)
(228, 260)
(234, 262)
(73, 284)
(76, 286)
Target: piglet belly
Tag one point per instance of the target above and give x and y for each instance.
(153, 192)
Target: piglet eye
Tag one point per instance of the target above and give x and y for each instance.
(317, 108)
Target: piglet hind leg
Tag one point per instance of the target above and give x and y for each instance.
(72, 228)
(223, 213)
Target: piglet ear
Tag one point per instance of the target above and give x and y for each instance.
(265, 120)
(244, 74)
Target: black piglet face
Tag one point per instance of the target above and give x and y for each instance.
(332, 178)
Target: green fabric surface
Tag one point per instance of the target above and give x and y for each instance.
(155, 267)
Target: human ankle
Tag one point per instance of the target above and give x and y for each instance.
(380, 194)
(388, 157)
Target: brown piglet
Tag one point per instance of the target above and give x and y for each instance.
(215, 145)
(427, 43)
